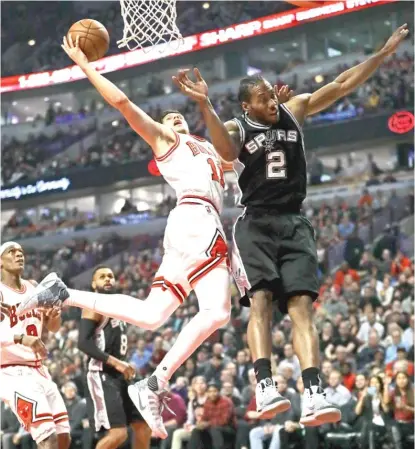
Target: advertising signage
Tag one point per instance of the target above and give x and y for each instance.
(194, 43)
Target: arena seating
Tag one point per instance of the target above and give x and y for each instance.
(30, 162)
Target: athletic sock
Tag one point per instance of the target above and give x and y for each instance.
(311, 377)
(262, 369)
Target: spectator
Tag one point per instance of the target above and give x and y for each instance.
(392, 349)
(242, 367)
(218, 422)
(342, 272)
(173, 417)
(276, 429)
(360, 385)
(182, 435)
(292, 359)
(366, 199)
(80, 433)
(346, 227)
(141, 355)
(353, 250)
(337, 393)
(374, 410)
(402, 356)
(367, 324)
(401, 401)
(10, 428)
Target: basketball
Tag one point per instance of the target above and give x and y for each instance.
(94, 39)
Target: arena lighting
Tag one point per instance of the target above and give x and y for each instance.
(196, 42)
(31, 42)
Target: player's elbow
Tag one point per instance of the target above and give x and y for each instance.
(229, 153)
(121, 102)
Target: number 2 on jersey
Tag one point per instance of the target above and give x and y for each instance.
(276, 165)
(217, 172)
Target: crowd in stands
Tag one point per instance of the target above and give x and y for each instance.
(391, 87)
(30, 158)
(24, 21)
(365, 318)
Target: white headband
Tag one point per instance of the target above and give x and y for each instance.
(6, 246)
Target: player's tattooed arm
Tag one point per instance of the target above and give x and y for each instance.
(151, 131)
(352, 78)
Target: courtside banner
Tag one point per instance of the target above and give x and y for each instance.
(192, 43)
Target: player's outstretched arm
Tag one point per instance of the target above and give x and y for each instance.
(225, 137)
(151, 131)
(349, 80)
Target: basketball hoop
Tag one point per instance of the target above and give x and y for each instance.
(148, 23)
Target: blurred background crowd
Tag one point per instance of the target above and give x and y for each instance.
(112, 211)
(391, 88)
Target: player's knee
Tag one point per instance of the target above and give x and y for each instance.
(261, 303)
(118, 435)
(222, 317)
(300, 309)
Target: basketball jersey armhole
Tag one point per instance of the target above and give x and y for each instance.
(241, 132)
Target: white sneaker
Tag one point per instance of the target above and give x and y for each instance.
(316, 410)
(268, 401)
(51, 292)
(150, 404)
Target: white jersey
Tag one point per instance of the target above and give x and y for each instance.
(193, 169)
(28, 324)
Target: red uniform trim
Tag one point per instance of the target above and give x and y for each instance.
(204, 268)
(35, 364)
(200, 139)
(57, 421)
(195, 197)
(177, 290)
(60, 415)
(175, 145)
(44, 415)
(20, 292)
(42, 420)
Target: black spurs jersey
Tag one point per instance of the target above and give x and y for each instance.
(272, 164)
(110, 337)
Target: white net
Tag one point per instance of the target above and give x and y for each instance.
(148, 23)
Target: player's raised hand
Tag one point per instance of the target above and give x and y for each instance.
(283, 94)
(73, 51)
(397, 37)
(35, 344)
(198, 90)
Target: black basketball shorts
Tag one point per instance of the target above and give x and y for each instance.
(276, 253)
(108, 403)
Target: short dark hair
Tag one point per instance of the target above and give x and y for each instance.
(167, 112)
(100, 267)
(245, 85)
